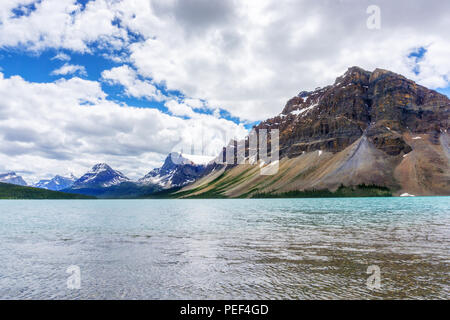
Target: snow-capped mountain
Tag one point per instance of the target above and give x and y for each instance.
(100, 176)
(57, 183)
(13, 178)
(178, 170)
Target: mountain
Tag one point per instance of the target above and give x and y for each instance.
(374, 129)
(104, 182)
(100, 176)
(57, 183)
(178, 170)
(12, 178)
(10, 191)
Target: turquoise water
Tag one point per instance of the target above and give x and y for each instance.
(225, 249)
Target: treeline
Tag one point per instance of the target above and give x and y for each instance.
(11, 191)
(361, 190)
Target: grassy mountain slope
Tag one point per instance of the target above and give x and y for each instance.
(423, 171)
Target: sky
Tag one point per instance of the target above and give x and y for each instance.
(128, 81)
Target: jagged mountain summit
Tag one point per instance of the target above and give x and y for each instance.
(100, 176)
(12, 178)
(178, 170)
(57, 183)
(372, 128)
(104, 182)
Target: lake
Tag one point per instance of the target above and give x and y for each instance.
(226, 249)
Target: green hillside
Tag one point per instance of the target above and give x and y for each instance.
(11, 191)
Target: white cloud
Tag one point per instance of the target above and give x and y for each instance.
(179, 109)
(134, 87)
(68, 69)
(247, 57)
(69, 125)
(263, 52)
(60, 24)
(61, 56)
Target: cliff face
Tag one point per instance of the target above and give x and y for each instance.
(380, 104)
(368, 127)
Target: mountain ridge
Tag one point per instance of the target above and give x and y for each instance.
(102, 181)
(101, 175)
(368, 128)
(57, 183)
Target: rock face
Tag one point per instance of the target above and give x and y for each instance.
(12, 178)
(380, 104)
(100, 176)
(178, 170)
(367, 128)
(57, 183)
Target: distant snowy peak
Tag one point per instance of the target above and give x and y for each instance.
(100, 167)
(101, 175)
(57, 183)
(178, 170)
(13, 178)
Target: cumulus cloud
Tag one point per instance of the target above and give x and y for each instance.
(62, 57)
(60, 24)
(260, 53)
(247, 57)
(69, 125)
(134, 87)
(68, 69)
(179, 109)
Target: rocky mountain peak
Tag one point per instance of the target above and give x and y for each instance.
(101, 167)
(12, 178)
(57, 183)
(381, 105)
(354, 75)
(178, 170)
(101, 175)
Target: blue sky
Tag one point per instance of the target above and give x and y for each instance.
(38, 67)
(137, 79)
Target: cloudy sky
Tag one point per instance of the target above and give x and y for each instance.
(128, 81)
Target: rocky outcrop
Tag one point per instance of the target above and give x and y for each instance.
(178, 170)
(380, 104)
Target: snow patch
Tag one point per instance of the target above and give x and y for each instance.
(304, 110)
(406, 194)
